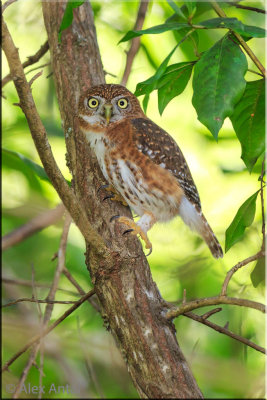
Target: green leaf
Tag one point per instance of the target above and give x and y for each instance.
(218, 83)
(173, 82)
(191, 7)
(243, 219)
(235, 25)
(150, 84)
(258, 274)
(248, 121)
(35, 168)
(155, 30)
(176, 9)
(68, 16)
(20, 162)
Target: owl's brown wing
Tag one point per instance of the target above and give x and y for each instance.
(160, 147)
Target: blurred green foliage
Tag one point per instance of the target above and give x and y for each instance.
(80, 352)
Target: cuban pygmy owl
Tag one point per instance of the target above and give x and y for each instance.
(141, 162)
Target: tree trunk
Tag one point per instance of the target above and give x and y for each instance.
(131, 304)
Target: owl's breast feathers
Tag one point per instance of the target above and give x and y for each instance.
(153, 150)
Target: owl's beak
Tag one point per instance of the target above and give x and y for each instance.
(108, 111)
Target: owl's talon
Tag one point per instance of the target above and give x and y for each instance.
(150, 251)
(108, 197)
(114, 196)
(128, 230)
(102, 187)
(136, 230)
(114, 217)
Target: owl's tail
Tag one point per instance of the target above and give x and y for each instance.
(196, 221)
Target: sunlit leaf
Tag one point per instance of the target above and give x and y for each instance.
(243, 219)
(258, 274)
(235, 25)
(248, 121)
(191, 7)
(173, 82)
(176, 9)
(31, 166)
(151, 84)
(68, 16)
(35, 168)
(218, 83)
(155, 30)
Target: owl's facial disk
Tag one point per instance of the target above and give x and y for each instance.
(102, 111)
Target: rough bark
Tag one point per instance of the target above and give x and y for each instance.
(132, 307)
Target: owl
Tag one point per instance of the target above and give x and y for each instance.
(141, 162)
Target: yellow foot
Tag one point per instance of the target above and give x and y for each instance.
(136, 230)
(115, 195)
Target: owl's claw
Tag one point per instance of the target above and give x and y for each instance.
(128, 231)
(114, 217)
(114, 196)
(136, 230)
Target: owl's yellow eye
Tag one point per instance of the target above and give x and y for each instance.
(122, 103)
(93, 102)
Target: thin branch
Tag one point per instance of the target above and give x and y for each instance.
(211, 312)
(255, 72)
(36, 224)
(31, 60)
(36, 338)
(39, 136)
(59, 269)
(92, 301)
(23, 282)
(224, 331)
(236, 267)
(258, 10)
(247, 49)
(7, 4)
(39, 66)
(23, 299)
(135, 41)
(212, 301)
(26, 370)
(35, 77)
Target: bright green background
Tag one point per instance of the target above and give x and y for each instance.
(223, 367)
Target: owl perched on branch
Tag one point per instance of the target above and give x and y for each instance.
(142, 163)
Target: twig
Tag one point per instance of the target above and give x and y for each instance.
(224, 331)
(39, 136)
(39, 66)
(255, 72)
(23, 299)
(36, 338)
(23, 282)
(7, 4)
(36, 224)
(212, 301)
(59, 269)
(135, 41)
(247, 49)
(35, 77)
(259, 10)
(31, 60)
(68, 275)
(211, 312)
(26, 371)
(236, 267)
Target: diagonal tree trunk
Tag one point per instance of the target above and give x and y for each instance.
(131, 304)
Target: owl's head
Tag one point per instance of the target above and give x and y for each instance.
(106, 104)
